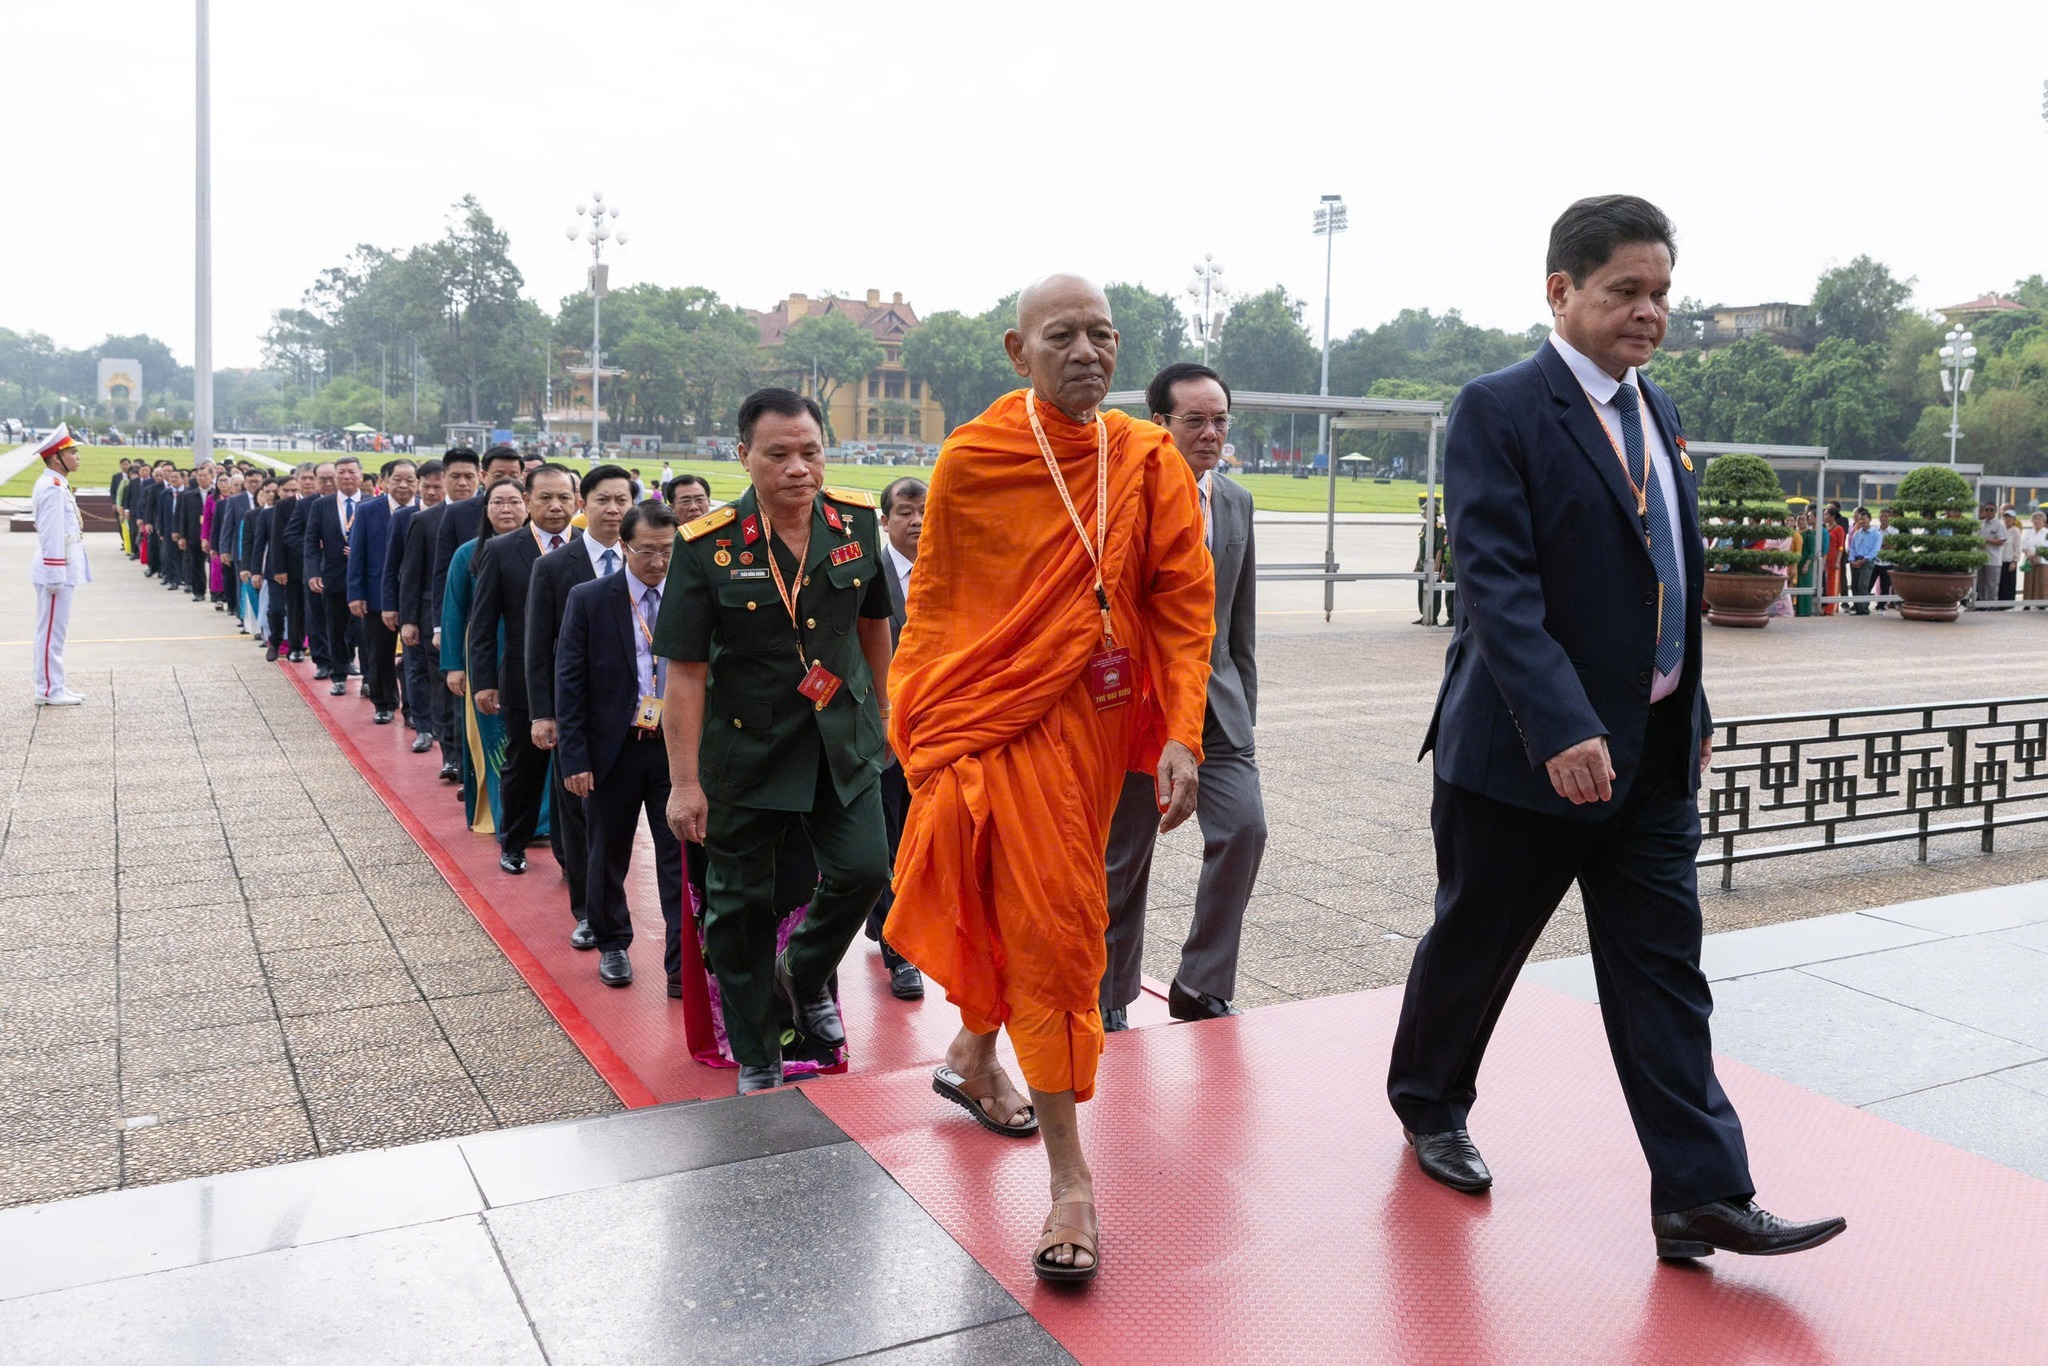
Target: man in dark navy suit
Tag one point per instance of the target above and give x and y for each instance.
(416, 676)
(610, 744)
(369, 546)
(1571, 733)
(419, 604)
(329, 520)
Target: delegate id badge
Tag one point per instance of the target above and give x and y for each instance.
(1109, 678)
(648, 717)
(820, 685)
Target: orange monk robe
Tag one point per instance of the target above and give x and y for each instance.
(1014, 773)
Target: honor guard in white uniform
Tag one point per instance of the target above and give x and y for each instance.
(60, 566)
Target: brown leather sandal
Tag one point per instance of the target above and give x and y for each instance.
(953, 1087)
(1072, 1222)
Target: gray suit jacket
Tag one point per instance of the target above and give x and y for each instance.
(1233, 670)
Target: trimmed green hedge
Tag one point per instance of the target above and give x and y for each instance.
(1742, 503)
(1934, 524)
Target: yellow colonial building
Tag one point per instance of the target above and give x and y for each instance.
(887, 406)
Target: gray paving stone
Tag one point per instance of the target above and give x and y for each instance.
(169, 1096)
(216, 1143)
(2008, 1124)
(1845, 1044)
(204, 1049)
(1013, 1342)
(336, 1303)
(144, 1015)
(345, 1031)
(825, 1209)
(351, 1120)
(1974, 913)
(1977, 981)
(81, 1161)
(2032, 1077)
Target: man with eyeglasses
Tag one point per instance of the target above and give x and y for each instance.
(1193, 403)
(609, 746)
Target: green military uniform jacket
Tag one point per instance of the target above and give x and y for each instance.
(720, 606)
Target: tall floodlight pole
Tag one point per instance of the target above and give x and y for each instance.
(1956, 356)
(382, 388)
(413, 368)
(597, 234)
(1206, 271)
(202, 241)
(1330, 220)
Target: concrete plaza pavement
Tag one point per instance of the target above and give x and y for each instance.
(222, 951)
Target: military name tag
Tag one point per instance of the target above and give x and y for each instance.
(1109, 678)
(750, 573)
(649, 715)
(847, 553)
(820, 685)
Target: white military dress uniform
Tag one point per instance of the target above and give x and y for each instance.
(59, 568)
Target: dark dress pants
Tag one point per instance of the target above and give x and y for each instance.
(521, 781)
(895, 807)
(637, 782)
(1501, 871)
(380, 662)
(422, 681)
(569, 837)
(315, 608)
(743, 846)
(195, 571)
(343, 630)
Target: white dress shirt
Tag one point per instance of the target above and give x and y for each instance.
(649, 671)
(541, 538)
(903, 565)
(590, 544)
(1600, 388)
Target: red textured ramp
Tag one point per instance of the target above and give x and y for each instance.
(633, 1036)
(1258, 1205)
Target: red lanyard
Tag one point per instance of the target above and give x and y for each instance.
(1642, 490)
(1059, 481)
(787, 594)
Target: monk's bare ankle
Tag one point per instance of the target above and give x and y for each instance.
(972, 1055)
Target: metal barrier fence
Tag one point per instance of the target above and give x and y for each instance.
(1875, 775)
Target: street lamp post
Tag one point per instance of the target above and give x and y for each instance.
(1330, 220)
(1206, 271)
(597, 234)
(202, 240)
(1957, 355)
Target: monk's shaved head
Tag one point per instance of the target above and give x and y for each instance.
(1064, 343)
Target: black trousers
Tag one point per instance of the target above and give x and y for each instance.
(195, 571)
(569, 837)
(895, 807)
(344, 632)
(521, 781)
(422, 680)
(1501, 871)
(744, 850)
(380, 661)
(316, 620)
(637, 782)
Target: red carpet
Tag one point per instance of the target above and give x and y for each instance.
(1258, 1205)
(633, 1036)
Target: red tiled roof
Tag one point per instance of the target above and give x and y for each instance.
(884, 322)
(1990, 303)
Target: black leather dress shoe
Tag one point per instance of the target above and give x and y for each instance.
(1183, 1004)
(1449, 1157)
(906, 983)
(339, 688)
(581, 937)
(451, 773)
(1115, 1021)
(511, 862)
(422, 742)
(355, 671)
(297, 656)
(754, 1079)
(675, 990)
(1737, 1226)
(614, 968)
(322, 674)
(270, 653)
(817, 1017)
(382, 718)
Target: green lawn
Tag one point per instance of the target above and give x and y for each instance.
(1270, 492)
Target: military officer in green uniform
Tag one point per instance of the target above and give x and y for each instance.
(775, 624)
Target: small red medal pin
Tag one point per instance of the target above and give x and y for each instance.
(1684, 457)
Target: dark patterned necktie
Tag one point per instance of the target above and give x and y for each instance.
(1663, 542)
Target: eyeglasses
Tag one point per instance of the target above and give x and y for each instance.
(1195, 422)
(652, 556)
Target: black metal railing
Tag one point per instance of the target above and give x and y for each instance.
(1797, 784)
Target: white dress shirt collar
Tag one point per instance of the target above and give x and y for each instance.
(541, 538)
(904, 565)
(1592, 378)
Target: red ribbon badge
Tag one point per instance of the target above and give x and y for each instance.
(751, 529)
(847, 553)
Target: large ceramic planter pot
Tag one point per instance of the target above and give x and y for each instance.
(1741, 599)
(1931, 597)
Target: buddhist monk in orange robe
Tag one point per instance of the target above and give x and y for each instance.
(1016, 722)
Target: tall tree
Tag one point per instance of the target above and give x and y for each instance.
(835, 349)
(479, 292)
(1151, 334)
(961, 359)
(1859, 301)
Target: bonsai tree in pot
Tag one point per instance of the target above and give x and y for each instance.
(1934, 547)
(1742, 511)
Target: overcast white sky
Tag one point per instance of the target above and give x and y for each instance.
(954, 151)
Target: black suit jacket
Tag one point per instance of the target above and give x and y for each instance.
(458, 526)
(504, 574)
(547, 598)
(416, 605)
(257, 556)
(327, 543)
(1557, 597)
(191, 515)
(597, 680)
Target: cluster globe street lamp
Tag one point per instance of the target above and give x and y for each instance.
(1204, 289)
(597, 232)
(1957, 365)
(1331, 218)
